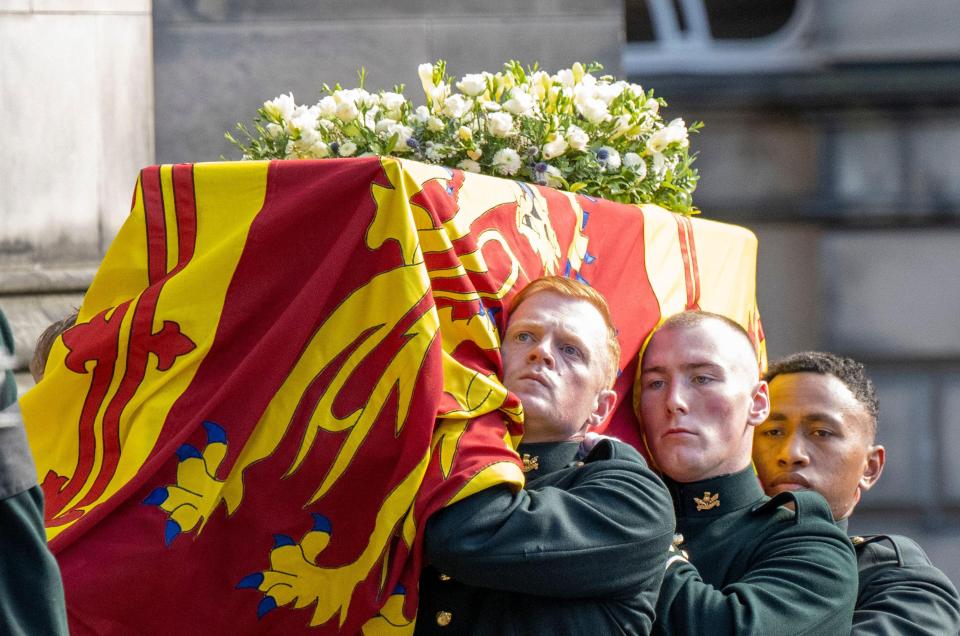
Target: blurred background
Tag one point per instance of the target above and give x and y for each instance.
(832, 131)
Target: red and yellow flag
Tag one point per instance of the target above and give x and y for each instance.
(283, 368)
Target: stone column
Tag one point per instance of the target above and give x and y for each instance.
(76, 102)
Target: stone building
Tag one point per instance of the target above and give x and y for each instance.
(832, 130)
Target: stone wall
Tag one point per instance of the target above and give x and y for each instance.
(76, 93)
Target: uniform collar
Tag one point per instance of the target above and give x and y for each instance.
(715, 496)
(844, 524)
(541, 458)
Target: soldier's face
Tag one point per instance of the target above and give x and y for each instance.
(554, 361)
(700, 397)
(817, 437)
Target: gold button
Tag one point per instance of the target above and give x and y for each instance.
(856, 540)
(444, 577)
(444, 618)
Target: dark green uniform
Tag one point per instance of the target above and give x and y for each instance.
(580, 550)
(31, 592)
(756, 567)
(901, 591)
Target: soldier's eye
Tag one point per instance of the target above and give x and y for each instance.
(523, 336)
(571, 351)
(702, 379)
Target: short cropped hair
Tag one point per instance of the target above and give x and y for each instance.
(696, 317)
(42, 350)
(852, 373)
(570, 288)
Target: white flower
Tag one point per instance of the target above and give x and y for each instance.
(327, 107)
(435, 124)
(519, 103)
(392, 103)
(280, 108)
(464, 133)
(674, 133)
(456, 106)
(421, 115)
(577, 137)
(609, 158)
(305, 118)
(594, 110)
(274, 130)
(622, 125)
(403, 134)
(435, 152)
(608, 92)
(425, 71)
(383, 127)
(636, 163)
(347, 149)
(500, 124)
(469, 165)
(637, 90)
(659, 165)
(347, 112)
(555, 147)
(564, 77)
(475, 154)
(472, 84)
(506, 161)
(553, 177)
(490, 106)
(319, 150)
(652, 105)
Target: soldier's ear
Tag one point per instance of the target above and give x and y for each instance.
(606, 399)
(876, 456)
(759, 404)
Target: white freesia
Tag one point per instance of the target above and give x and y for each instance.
(520, 103)
(555, 147)
(577, 137)
(608, 92)
(435, 124)
(500, 124)
(565, 77)
(464, 133)
(469, 165)
(674, 133)
(274, 130)
(490, 106)
(280, 107)
(659, 165)
(652, 105)
(637, 91)
(622, 125)
(506, 162)
(472, 84)
(425, 72)
(456, 106)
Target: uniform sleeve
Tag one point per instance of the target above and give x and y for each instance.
(912, 598)
(802, 579)
(599, 530)
(31, 592)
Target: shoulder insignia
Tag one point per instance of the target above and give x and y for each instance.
(709, 501)
(530, 463)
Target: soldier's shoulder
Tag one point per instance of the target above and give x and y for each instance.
(889, 549)
(801, 507)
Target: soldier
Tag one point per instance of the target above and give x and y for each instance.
(581, 549)
(821, 436)
(752, 566)
(31, 592)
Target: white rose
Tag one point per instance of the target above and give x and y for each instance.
(456, 106)
(472, 84)
(327, 107)
(506, 161)
(347, 112)
(347, 149)
(280, 108)
(421, 114)
(594, 110)
(577, 137)
(435, 124)
(554, 148)
(392, 103)
(469, 165)
(519, 103)
(500, 124)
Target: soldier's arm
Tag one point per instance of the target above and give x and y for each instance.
(801, 579)
(595, 531)
(901, 592)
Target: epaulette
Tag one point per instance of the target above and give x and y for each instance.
(805, 502)
(905, 549)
